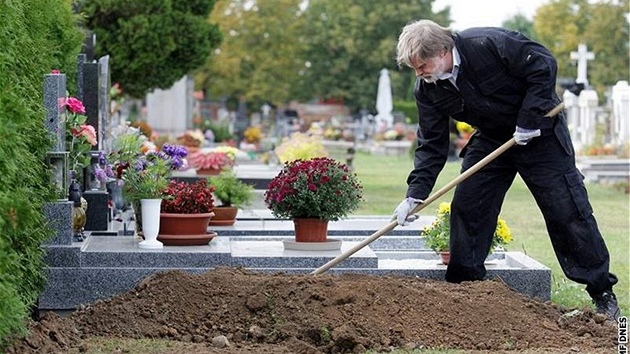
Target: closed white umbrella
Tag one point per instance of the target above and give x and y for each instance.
(384, 103)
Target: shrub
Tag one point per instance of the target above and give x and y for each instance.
(231, 191)
(43, 36)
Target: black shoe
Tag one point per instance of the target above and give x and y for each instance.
(606, 303)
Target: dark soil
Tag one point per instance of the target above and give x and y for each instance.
(351, 313)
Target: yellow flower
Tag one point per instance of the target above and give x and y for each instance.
(503, 234)
(436, 235)
(444, 208)
(230, 151)
(464, 127)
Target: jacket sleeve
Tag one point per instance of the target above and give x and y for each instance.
(430, 156)
(537, 66)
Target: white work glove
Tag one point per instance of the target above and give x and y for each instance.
(401, 213)
(523, 136)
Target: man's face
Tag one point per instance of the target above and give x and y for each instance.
(431, 69)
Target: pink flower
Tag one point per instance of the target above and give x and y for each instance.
(75, 105)
(55, 71)
(86, 131)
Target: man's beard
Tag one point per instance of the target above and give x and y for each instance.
(440, 70)
(431, 79)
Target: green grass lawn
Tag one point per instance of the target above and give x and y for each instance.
(384, 182)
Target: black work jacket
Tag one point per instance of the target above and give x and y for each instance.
(504, 80)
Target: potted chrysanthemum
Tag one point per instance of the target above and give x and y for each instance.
(437, 235)
(312, 193)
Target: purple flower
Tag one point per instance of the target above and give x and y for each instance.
(101, 158)
(175, 150)
(100, 174)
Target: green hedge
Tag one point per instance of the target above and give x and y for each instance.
(36, 36)
(409, 109)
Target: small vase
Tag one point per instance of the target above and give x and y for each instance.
(150, 223)
(445, 256)
(310, 230)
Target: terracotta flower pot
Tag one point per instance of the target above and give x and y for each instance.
(208, 171)
(185, 229)
(445, 256)
(223, 216)
(310, 230)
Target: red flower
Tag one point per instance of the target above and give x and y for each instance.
(75, 106)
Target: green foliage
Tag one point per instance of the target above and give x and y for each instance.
(35, 36)
(261, 58)
(152, 43)
(564, 24)
(521, 24)
(349, 42)
(331, 49)
(221, 130)
(231, 191)
(409, 109)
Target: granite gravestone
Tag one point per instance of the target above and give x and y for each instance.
(95, 194)
(59, 213)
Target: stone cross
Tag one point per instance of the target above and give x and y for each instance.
(582, 56)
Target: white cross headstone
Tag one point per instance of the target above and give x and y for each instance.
(582, 56)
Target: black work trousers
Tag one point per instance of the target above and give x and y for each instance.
(547, 166)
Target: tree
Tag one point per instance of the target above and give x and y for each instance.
(152, 43)
(562, 25)
(328, 50)
(349, 42)
(259, 56)
(521, 24)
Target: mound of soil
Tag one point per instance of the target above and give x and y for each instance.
(237, 311)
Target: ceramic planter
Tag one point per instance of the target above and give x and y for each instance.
(185, 229)
(224, 216)
(310, 230)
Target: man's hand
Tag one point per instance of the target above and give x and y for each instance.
(523, 136)
(402, 211)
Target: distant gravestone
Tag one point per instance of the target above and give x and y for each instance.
(241, 121)
(621, 113)
(170, 111)
(582, 56)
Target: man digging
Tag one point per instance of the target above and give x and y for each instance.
(503, 84)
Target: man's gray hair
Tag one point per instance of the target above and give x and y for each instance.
(422, 39)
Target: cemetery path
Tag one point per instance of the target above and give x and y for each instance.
(350, 313)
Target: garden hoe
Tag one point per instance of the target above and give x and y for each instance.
(387, 228)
